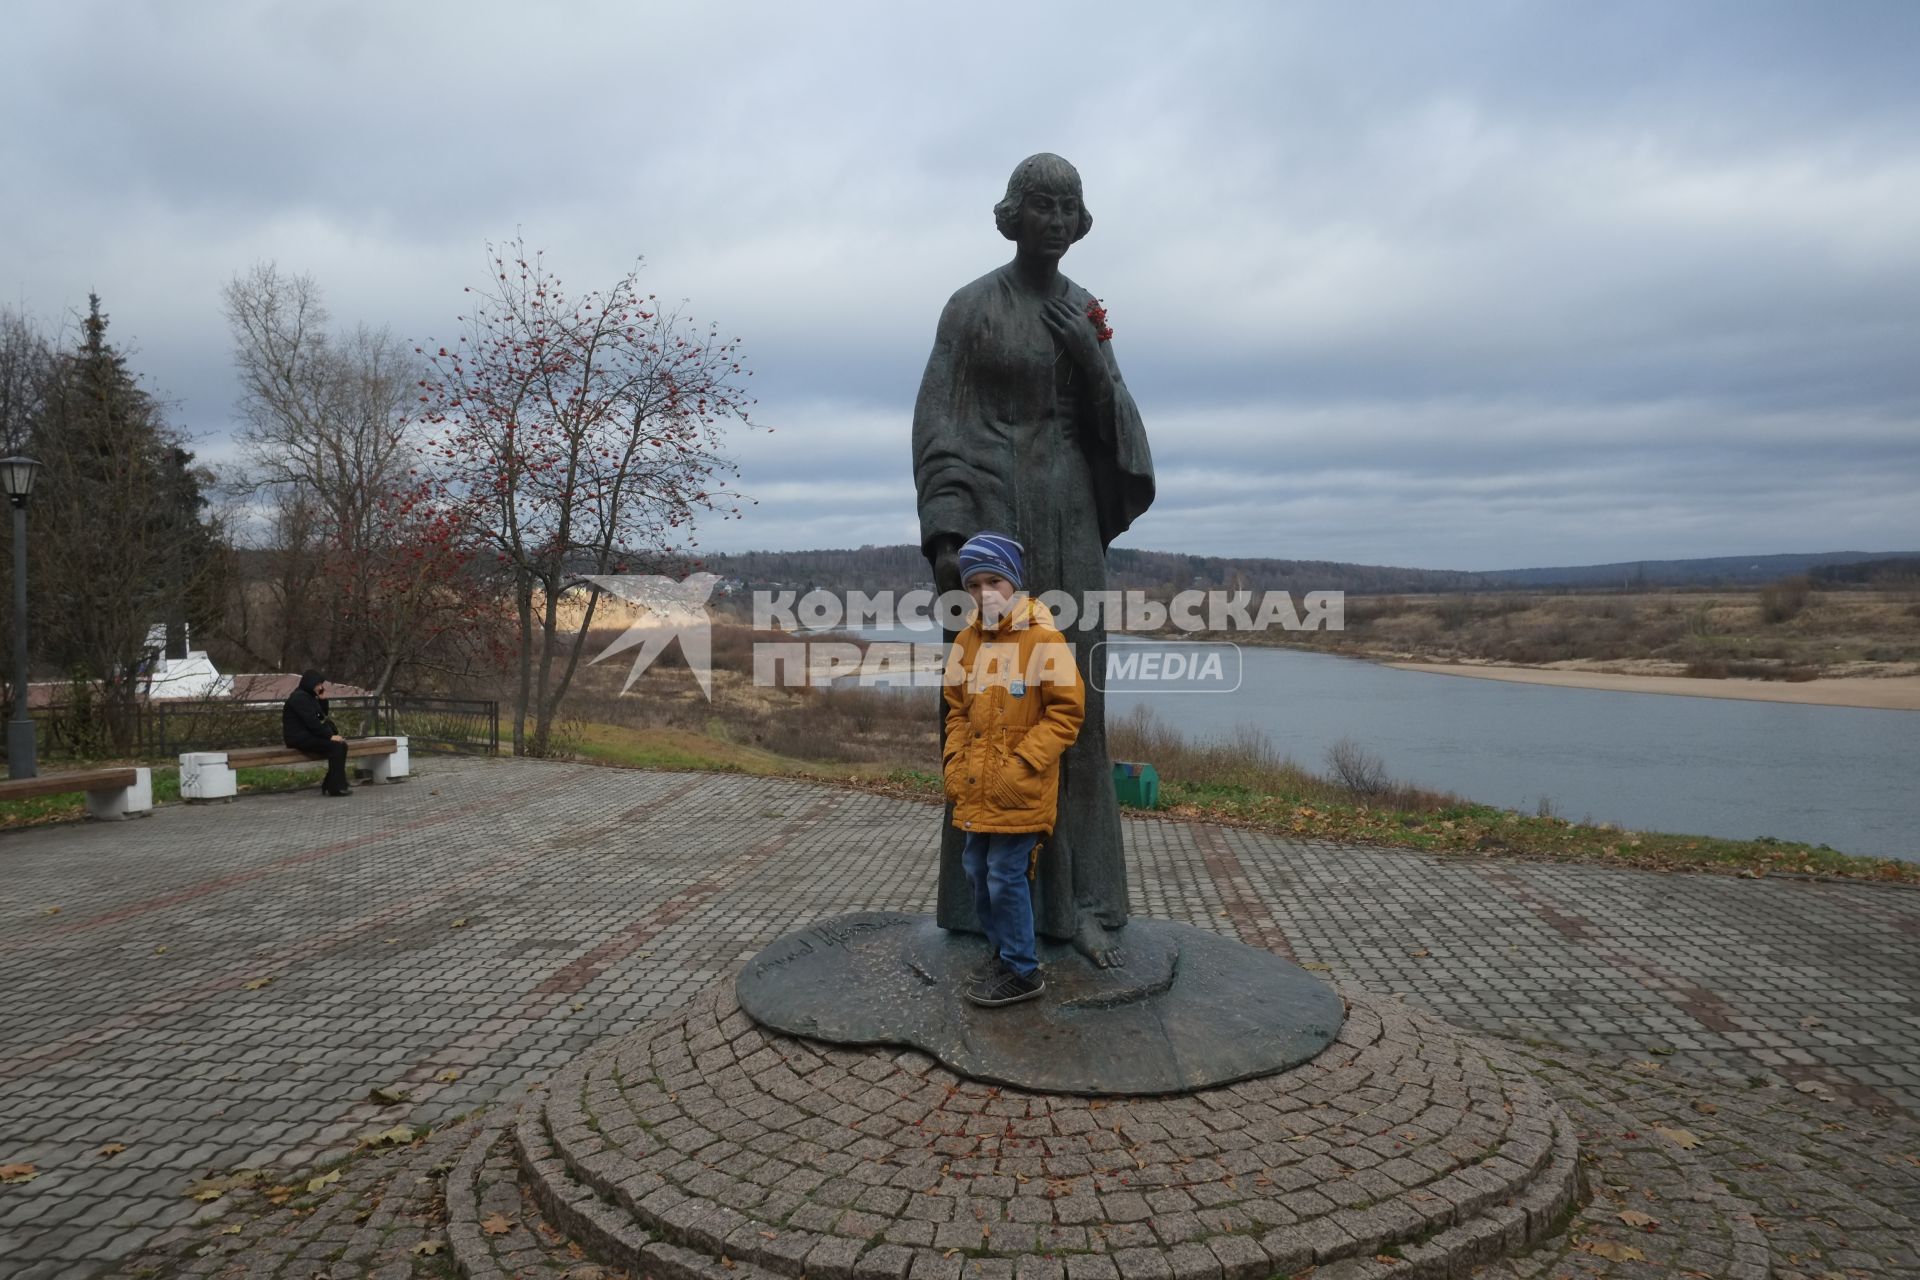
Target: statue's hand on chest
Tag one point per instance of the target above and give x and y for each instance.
(1074, 333)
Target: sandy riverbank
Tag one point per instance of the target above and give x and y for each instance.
(1892, 693)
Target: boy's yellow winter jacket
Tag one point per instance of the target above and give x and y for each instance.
(1014, 704)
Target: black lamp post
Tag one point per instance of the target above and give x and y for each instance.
(16, 481)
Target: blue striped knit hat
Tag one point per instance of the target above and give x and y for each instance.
(991, 551)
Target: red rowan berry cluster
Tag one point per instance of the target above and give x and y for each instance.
(1098, 314)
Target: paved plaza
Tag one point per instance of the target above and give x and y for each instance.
(225, 987)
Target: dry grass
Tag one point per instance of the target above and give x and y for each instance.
(827, 725)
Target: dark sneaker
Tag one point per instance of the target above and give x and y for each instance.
(1006, 987)
(987, 970)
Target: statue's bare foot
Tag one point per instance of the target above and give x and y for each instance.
(1098, 943)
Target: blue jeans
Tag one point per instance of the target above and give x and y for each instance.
(996, 867)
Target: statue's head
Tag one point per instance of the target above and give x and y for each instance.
(1042, 204)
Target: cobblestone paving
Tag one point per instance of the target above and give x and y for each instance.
(1735, 1182)
(738, 1142)
(222, 987)
(1821, 1193)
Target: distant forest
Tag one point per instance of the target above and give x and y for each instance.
(899, 567)
(1891, 571)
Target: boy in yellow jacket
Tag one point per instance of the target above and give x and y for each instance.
(1014, 703)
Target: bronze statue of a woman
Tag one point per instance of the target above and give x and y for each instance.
(1023, 425)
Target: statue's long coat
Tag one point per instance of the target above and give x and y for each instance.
(1008, 436)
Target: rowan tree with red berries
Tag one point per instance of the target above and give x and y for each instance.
(577, 435)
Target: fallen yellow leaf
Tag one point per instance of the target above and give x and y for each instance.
(325, 1180)
(18, 1173)
(1681, 1138)
(233, 1230)
(1611, 1251)
(1635, 1218)
(257, 983)
(448, 1076)
(496, 1225)
(111, 1149)
(208, 1189)
(399, 1135)
(427, 1248)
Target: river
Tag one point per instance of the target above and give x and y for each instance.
(1846, 777)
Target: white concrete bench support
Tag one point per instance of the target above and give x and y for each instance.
(132, 801)
(394, 766)
(205, 775)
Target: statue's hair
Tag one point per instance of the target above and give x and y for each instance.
(1043, 172)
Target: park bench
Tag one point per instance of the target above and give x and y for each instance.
(209, 775)
(120, 792)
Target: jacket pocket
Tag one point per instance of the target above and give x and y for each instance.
(1013, 786)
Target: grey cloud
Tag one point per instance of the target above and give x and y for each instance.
(1464, 486)
(1467, 286)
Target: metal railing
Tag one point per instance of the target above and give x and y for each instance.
(462, 726)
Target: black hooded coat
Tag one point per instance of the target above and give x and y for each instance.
(304, 722)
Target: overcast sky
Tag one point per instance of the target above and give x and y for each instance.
(1473, 285)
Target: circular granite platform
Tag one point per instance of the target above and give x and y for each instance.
(1188, 1010)
(706, 1145)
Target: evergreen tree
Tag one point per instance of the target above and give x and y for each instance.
(120, 539)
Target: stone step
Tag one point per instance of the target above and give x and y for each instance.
(1487, 1234)
(499, 1229)
(609, 1232)
(704, 1141)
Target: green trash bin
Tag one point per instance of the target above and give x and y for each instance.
(1137, 785)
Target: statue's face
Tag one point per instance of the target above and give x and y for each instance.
(1048, 221)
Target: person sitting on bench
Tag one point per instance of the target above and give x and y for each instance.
(306, 726)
